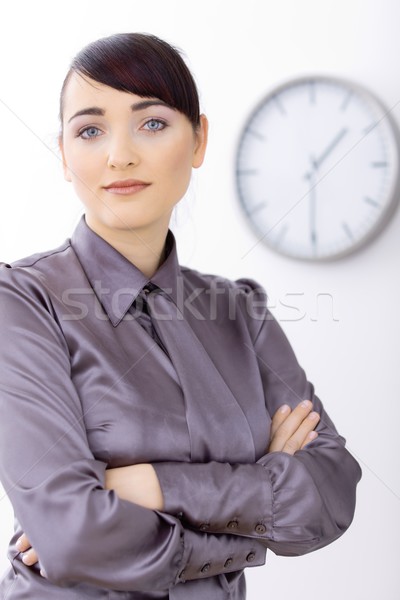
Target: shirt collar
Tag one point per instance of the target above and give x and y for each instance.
(114, 279)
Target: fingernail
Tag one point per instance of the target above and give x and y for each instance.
(25, 558)
(43, 574)
(305, 404)
(18, 543)
(284, 408)
(312, 435)
(313, 416)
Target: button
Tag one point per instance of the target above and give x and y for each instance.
(228, 562)
(205, 568)
(204, 526)
(233, 525)
(251, 556)
(260, 528)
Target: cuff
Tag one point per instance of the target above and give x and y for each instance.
(209, 555)
(218, 497)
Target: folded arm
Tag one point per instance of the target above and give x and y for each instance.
(57, 487)
(293, 502)
(290, 431)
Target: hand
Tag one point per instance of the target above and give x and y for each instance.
(292, 430)
(313, 202)
(331, 146)
(29, 557)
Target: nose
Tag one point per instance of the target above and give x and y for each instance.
(122, 152)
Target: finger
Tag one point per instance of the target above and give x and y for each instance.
(310, 438)
(30, 558)
(290, 425)
(280, 415)
(300, 436)
(23, 543)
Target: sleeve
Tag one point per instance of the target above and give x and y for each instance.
(81, 531)
(295, 504)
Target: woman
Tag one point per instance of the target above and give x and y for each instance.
(157, 432)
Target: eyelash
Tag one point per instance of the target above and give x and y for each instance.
(159, 121)
(85, 129)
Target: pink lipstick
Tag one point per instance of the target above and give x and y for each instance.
(126, 186)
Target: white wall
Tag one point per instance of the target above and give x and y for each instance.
(238, 51)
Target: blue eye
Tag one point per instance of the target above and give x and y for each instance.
(155, 125)
(91, 132)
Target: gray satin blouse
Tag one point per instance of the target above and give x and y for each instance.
(83, 387)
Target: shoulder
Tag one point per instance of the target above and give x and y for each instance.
(40, 260)
(37, 275)
(31, 291)
(244, 285)
(220, 298)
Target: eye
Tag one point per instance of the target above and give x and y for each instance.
(89, 133)
(155, 125)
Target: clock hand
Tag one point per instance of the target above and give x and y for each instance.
(311, 176)
(313, 199)
(317, 162)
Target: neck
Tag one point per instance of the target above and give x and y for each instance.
(143, 247)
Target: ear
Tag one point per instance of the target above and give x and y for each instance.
(67, 175)
(201, 142)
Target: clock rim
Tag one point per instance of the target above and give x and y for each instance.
(393, 194)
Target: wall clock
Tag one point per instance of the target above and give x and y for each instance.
(317, 168)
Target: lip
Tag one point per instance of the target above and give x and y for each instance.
(126, 186)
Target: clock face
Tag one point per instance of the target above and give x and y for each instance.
(317, 168)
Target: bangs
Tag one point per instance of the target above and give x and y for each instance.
(143, 65)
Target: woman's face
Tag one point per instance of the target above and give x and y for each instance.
(114, 136)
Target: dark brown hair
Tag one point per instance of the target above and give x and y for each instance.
(142, 64)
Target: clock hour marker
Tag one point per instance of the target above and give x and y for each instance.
(257, 208)
(379, 165)
(313, 239)
(314, 248)
(247, 171)
(347, 230)
(280, 106)
(346, 101)
(372, 202)
(257, 135)
(312, 92)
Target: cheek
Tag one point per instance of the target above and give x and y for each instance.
(177, 164)
(84, 168)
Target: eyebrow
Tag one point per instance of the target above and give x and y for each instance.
(142, 105)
